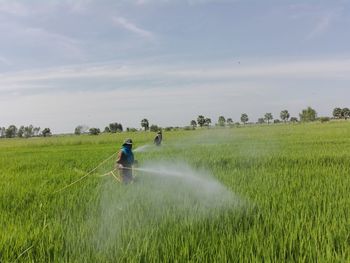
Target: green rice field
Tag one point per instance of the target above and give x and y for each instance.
(270, 193)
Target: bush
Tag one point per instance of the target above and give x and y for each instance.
(94, 131)
(154, 128)
(294, 119)
(261, 121)
(325, 119)
(188, 128)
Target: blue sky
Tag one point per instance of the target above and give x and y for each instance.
(65, 63)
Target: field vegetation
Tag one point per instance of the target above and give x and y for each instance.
(277, 193)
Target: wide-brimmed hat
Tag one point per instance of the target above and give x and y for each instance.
(127, 142)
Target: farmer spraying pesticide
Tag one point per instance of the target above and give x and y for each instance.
(158, 139)
(125, 161)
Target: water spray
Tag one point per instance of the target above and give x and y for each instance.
(142, 148)
(154, 171)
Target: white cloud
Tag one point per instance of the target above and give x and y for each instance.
(189, 2)
(31, 8)
(67, 43)
(41, 38)
(321, 17)
(180, 73)
(124, 23)
(323, 25)
(165, 106)
(78, 6)
(5, 61)
(299, 69)
(13, 8)
(131, 105)
(181, 91)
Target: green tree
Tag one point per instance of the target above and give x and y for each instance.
(244, 118)
(20, 132)
(284, 115)
(308, 114)
(29, 131)
(222, 121)
(36, 131)
(268, 117)
(207, 122)
(115, 127)
(201, 120)
(2, 132)
(193, 124)
(337, 113)
(345, 113)
(229, 122)
(145, 124)
(107, 130)
(11, 131)
(78, 130)
(46, 132)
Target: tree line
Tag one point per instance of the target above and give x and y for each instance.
(306, 115)
(115, 127)
(13, 131)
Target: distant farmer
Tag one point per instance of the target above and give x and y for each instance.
(125, 161)
(158, 139)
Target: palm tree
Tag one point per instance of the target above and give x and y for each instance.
(284, 115)
(244, 118)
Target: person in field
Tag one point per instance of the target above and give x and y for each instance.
(125, 161)
(158, 139)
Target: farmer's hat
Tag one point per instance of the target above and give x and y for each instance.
(127, 142)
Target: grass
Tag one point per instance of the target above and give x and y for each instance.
(290, 185)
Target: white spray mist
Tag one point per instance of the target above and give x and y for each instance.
(143, 148)
(162, 192)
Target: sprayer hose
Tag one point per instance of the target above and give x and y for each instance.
(81, 178)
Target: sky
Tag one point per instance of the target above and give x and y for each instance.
(65, 63)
